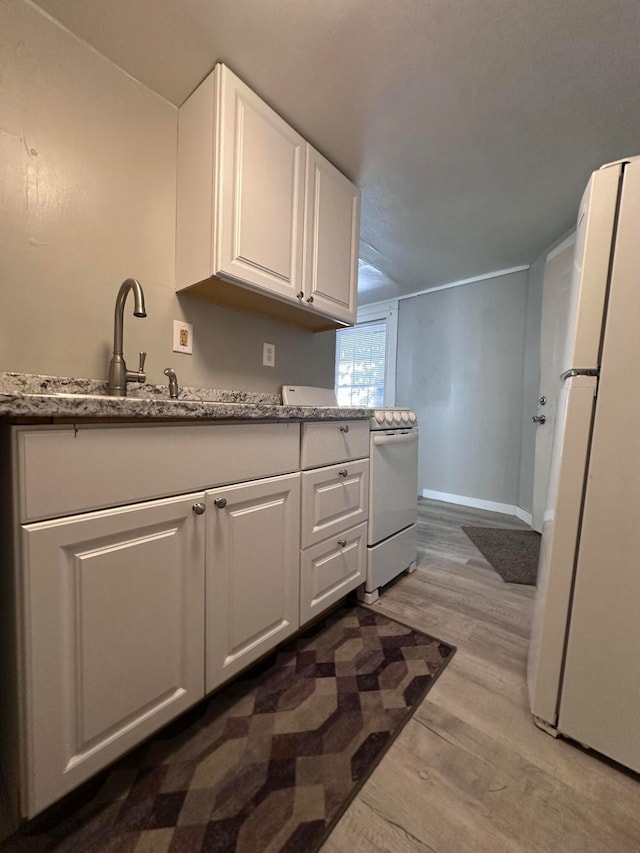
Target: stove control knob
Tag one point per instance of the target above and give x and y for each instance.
(412, 417)
(405, 417)
(379, 417)
(388, 416)
(397, 417)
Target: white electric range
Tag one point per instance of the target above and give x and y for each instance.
(393, 498)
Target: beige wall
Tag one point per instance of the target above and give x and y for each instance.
(87, 199)
(460, 366)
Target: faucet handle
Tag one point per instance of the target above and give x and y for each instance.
(140, 376)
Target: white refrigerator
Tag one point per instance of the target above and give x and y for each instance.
(584, 655)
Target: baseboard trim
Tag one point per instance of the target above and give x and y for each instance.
(523, 515)
(478, 503)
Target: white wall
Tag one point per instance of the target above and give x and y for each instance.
(87, 199)
(460, 366)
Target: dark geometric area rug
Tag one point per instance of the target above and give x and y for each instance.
(269, 763)
(512, 553)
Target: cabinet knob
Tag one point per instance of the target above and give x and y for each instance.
(342, 542)
(220, 502)
(343, 473)
(344, 428)
(199, 508)
(310, 299)
(300, 294)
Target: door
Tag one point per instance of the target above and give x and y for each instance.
(559, 544)
(253, 572)
(114, 624)
(556, 294)
(261, 169)
(393, 491)
(332, 233)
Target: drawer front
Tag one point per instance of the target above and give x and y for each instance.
(334, 499)
(331, 569)
(326, 442)
(65, 470)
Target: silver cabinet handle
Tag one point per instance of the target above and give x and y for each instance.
(342, 542)
(539, 419)
(344, 428)
(220, 502)
(199, 508)
(343, 473)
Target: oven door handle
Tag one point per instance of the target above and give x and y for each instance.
(397, 438)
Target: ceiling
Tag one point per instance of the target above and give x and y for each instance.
(471, 127)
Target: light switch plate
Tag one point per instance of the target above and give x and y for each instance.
(182, 337)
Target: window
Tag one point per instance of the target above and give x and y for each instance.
(360, 355)
(366, 358)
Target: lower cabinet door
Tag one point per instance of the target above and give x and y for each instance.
(114, 635)
(253, 572)
(331, 569)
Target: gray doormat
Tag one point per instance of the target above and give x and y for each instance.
(512, 553)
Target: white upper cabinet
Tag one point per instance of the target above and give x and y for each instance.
(332, 232)
(255, 204)
(240, 189)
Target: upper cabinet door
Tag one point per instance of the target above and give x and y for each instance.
(260, 214)
(240, 190)
(332, 232)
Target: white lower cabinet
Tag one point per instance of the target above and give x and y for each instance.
(331, 569)
(114, 635)
(122, 618)
(335, 509)
(252, 595)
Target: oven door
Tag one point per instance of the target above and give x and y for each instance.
(393, 484)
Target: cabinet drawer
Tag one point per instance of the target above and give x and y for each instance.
(331, 569)
(325, 442)
(69, 469)
(334, 499)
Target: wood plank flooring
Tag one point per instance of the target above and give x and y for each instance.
(470, 771)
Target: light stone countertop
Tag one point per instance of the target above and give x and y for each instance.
(25, 395)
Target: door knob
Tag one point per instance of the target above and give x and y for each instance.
(199, 508)
(220, 502)
(539, 419)
(342, 542)
(343, 472)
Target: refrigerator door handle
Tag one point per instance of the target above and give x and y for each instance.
(580, 371)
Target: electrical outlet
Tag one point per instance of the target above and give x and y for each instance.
(182, 337)
(268, 355)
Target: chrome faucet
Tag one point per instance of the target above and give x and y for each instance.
(174, 390)
(118, 373)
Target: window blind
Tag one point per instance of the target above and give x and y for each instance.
(360, 363)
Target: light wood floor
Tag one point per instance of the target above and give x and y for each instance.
(470, 771)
